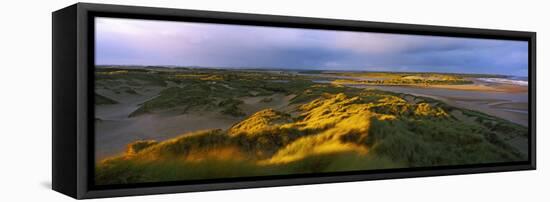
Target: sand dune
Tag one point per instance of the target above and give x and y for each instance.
(115, 129)
(507, 105)
(113, 135)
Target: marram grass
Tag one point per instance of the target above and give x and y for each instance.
(340, 131)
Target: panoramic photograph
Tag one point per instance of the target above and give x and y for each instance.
(184, 101)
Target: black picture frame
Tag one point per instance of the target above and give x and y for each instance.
(73, 109)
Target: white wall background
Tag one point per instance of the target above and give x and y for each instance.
(25, 102)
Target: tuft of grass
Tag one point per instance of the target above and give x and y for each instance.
(137, 146)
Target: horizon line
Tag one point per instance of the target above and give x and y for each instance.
(281, 68)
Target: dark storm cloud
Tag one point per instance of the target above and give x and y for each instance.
(146, 42)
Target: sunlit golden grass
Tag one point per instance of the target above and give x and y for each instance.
(314, 145)
(260, 121)
(135, 147)
(340, 131)
(340, 117)
(425, 109)
(212, 78)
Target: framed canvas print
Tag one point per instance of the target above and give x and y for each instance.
(155, 100)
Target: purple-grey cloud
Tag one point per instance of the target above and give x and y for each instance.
(150, 42)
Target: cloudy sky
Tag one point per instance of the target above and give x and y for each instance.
(151, 42)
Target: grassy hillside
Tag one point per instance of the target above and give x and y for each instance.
(380, 78)
(198, 89)
(333, 128)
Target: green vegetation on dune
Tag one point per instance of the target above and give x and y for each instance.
(132, 77)
(204, 89)
(231, 107)
(336, 128)
(172, 97)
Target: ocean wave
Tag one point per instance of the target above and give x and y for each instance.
(505, 81)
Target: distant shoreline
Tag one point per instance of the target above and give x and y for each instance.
(301, 70)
